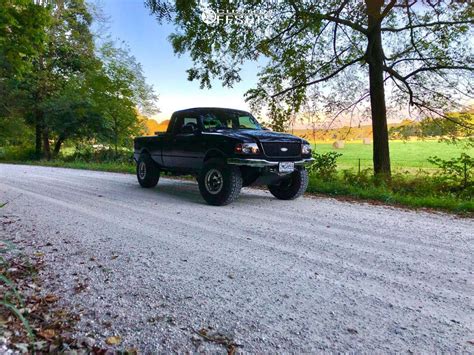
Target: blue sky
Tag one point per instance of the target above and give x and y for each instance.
(148, 41)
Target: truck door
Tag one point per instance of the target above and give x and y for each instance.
(185, 148)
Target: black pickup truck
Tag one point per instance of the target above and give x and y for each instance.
(225, 149)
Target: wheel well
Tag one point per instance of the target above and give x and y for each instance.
(213, 154)
(145, 152)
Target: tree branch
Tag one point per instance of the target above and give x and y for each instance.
(411, 27)
(345, 22)
(439, 67)
(393, 73)
(334, 73)
(387, 9)
(423, 105)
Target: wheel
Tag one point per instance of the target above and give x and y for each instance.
(292, 187)
(219, 183)
(148, 172)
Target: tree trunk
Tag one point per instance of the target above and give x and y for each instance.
(57, 145)
(375, 59)
(46, 147)
(39, 125)
(38, 141)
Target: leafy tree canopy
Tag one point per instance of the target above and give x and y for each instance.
(345, 55)
(60, 82)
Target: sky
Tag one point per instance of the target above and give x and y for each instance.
(131, 22)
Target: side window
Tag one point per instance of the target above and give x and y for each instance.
(210, 122)
(186, 121)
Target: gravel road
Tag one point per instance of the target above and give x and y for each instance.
(155, 266)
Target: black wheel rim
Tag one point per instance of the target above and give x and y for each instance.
(214, 181)
(142, 170)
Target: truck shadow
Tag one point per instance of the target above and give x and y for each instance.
(182, 190)
(189, 191)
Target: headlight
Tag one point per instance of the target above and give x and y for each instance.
(306, 149)
(247, 148)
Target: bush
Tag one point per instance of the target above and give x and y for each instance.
(17, 153)
(457, 170)
(325, 165)
(91, 154)
(364, 178)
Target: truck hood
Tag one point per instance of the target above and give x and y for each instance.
(260, 135)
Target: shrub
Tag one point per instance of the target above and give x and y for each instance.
(364, 178)
(17, 153)
(457, 170)
(325, 165)
(90, 154)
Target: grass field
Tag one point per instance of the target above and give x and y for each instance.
(409, 155)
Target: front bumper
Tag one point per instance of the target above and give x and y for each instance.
(262, 163)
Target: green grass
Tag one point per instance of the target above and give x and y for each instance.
(340, 188)
(104, 166)
(411, 155)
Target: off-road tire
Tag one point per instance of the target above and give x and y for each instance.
(292, 187)
(150, 176)
(226, 191)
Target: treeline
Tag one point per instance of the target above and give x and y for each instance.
(60, 83)
(456, 125)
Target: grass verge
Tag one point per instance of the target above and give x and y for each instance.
(336, 187)
(340, 188)
(114, 167)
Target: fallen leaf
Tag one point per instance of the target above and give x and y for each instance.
(47, 333)
(80, 287)
(51, 298)
(39, 254)
(352, 330)
(471, 342)
(114, 340)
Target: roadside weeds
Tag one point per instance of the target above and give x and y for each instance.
(32, 320)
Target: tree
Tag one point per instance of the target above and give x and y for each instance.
(54, 78)
(22, 38)
(120, 93)
(72, 113)
(68, 56)
(416, 55)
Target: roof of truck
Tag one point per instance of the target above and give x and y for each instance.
(209, 109)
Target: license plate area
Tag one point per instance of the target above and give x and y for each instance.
(286, 167)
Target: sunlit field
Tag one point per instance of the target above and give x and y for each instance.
(410, 155)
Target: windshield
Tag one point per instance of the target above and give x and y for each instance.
(227, 119)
